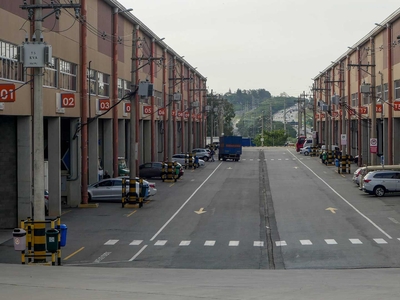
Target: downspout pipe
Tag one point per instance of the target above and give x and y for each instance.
(84, 108)
(152, 125)
(115, 91)
(359, 140)
(390, 94)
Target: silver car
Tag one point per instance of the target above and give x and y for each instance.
(111, 190)
(379, 183)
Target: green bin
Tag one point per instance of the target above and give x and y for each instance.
(52, 240)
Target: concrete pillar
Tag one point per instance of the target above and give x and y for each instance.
(71, 185)
(93, 152)
(146, 141)
(24, 167)
(54, 166)
(121, 139)
(396, 141)
(107, 143)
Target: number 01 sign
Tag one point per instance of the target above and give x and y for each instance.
(7, 92)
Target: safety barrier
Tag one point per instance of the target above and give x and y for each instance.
(343, 164)
(169, 171)
(132, 193)
(36, 243)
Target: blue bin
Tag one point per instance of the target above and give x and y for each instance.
(144, 191)
(337, 162)
(63, 233)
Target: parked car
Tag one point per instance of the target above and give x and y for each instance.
(305, 150)
(379, 183)
(111, 189)
(181, 158)
(154, 169)
(357, 175)
(202, 153)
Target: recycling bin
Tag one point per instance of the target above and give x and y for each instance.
(337, 162)
(144, 192)
(19, 236)
(63, 233)
(52, 240)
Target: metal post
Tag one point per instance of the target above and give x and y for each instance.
(132, 125)
(115, 91)
(262, 129)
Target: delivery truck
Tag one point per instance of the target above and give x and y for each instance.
(230, 147)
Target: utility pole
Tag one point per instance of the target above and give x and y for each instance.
(262, 129)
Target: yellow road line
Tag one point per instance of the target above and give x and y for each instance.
(131, 213)
(65, 212)
(171, 185)
(69, 256)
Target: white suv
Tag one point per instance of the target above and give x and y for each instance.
(202, 153)
(380, 182)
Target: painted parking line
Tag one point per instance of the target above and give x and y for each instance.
(135, 242)
(111, 242)
(72, 254)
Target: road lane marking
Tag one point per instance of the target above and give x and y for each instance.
(111, 242)
(135, 242)
(380, 241)
(233, 243)
(200, 211)
(331, 209)
(341, 197)
(209, 243)
(280, 243)
(355, 241)
(305, 242)
(171, 185)
(103, 256)
(77, 251)
(258, 244)
(330, 242)
(131, 213)
(183, 205)
(160, 243)
(184, 243)
(394, 220)
(138, 253)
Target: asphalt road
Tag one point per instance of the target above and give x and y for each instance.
(274, 225)
(274, 209)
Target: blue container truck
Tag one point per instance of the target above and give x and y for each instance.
(230, 147)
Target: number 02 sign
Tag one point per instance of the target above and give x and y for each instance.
(68, 100)
(7, 92)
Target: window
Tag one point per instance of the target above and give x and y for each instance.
(354, 99)
(378, 90)
(50, 74)
(386, 92)
(10, 68)
(103, 84)
(123, 88)
(397, 89)
(68, 75)
(91, 75)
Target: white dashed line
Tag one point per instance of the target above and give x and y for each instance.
(258, 244)
(380, 241)
(280, 243)
(330, 242)
(209, 243)
(305, 242)
(160, 243)
(233, 243)
(103, 256)
(355, 241)
(111, 242)
(184, 243)
(135, 242)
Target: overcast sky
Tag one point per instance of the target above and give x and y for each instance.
(278, 45)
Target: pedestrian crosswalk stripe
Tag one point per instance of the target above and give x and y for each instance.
(258, 244)
(209, 243)
(111, 242)
(380, 241)
(135, 242)
(184, 243)
(160, 243)
(280, 243)
(305, 242)
(355, 241)
(234, 243)
(331, 242)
